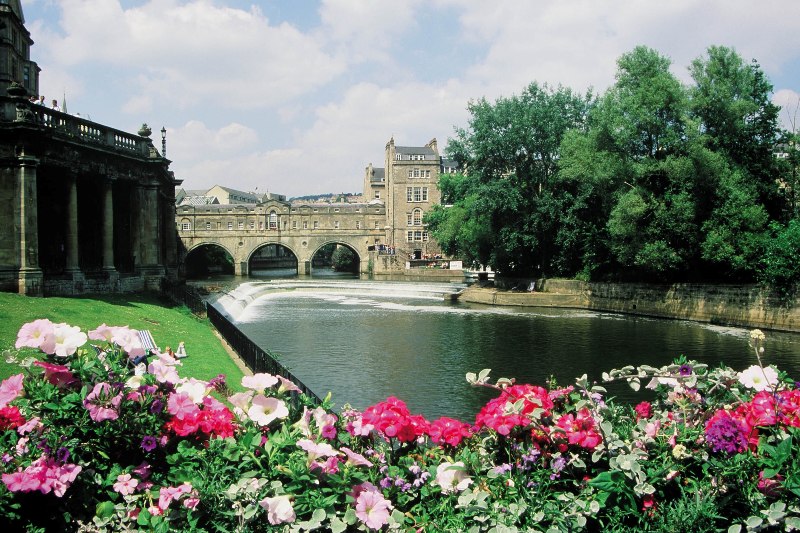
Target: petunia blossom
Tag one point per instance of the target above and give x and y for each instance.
(34, 334)
(452, 477)
(126, 484)
(279, 509)
(758, 378)
(102, 403)
(66, 340)
(10, 389)
(373, 509)
(259, 382)
(264, 410)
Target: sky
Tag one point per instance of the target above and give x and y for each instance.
(297, 97)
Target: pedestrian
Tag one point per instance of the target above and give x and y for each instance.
(55, 106)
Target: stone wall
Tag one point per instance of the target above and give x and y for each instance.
(736, 305)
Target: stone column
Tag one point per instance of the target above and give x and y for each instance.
(170, 235)
(30, 278)
(149, 214)
(72, 265)
(108, 225)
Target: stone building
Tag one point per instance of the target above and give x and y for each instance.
(88, 208)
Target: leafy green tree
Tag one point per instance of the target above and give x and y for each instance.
(731, 100)
(510, 154)
(343, 259)
(781, 263)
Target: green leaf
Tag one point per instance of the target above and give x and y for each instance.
(105, 509)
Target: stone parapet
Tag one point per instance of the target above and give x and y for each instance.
(736, 305)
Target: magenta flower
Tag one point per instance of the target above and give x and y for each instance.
(181, 406)
(149, 443)
(373, 509)
(102, 403)
(58, 375)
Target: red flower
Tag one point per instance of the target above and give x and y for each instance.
(448, 431)
(643, 410)
(10, 418)
(392, 419)
(580, 429)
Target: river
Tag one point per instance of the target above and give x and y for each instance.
(364, 341)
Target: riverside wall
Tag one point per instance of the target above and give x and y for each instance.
(736, 305)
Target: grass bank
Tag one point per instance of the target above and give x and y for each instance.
(168, 323)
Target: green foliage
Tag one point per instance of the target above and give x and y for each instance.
(343, 259)
(654, 180)
(781, 270)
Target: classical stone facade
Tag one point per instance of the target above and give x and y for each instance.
(87, 208)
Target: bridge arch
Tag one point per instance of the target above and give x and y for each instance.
(206, 258)
(274, 256)
(354, 265)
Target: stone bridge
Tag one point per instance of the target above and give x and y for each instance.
(243, 230)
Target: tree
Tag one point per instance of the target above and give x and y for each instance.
(509, 154)
(343, 259)
(731, 102)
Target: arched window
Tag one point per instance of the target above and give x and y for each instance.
(417, 214)
(273, 220)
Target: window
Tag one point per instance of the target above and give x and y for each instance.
(252, 225)
(410, 219)
(416, 194)
(377, 225)
(378, 195)
(219, 225)
(260, 224)
(358, 224)
(208, 225)
(186, 226)
(417, 217)
(230, 225)
(294, 224)
(273, 220)
(425, 236)
(241, 225)
(316, 224)
(336, 224)
(398, 157)
(305, 224)
(417, 235)
(410, 236)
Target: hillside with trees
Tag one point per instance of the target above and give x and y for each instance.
(653, 180)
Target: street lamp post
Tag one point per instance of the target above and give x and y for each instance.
(163, 142)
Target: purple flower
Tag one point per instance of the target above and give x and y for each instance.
(157, 406)
(685, 370)
(386, 482)
(149, 443)
(62, 455)
(726, 434)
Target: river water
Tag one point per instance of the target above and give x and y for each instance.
(364, 341)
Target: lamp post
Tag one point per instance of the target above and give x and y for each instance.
(163, 142)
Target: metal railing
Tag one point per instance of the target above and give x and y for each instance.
(256, 358)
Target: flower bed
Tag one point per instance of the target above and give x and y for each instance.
(93, 442)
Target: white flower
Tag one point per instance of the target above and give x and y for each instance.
(452, 477)
(195, 389)
(259, 382)
(264, 410)
(758, 378)
(279, 509)
(67, 339)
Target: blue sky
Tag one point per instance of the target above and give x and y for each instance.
(298, 97)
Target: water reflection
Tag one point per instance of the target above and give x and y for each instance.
(364, 341)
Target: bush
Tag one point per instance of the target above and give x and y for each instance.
(781, 265)
(93, 439)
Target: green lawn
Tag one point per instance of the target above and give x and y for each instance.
(168, 323)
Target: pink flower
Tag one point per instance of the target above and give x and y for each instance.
(164, 373)
(373, 509)
(102, 333)
(102, 404)
(279, 509)
(315, 449)
(355, 459)
(643, 410)
(581, 429)
(20, 482)
(264, 410)
(125, 484)
(287, 385)
(34, 334)
(259, 382)
(10, 389)
(127, 339)
(448, 431)
(181, 405)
